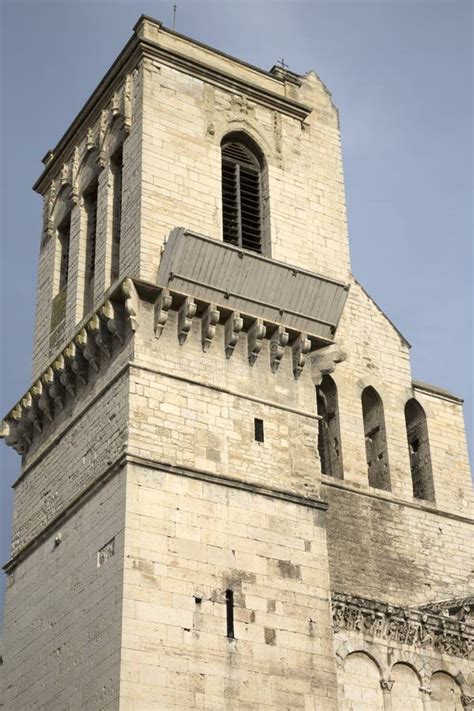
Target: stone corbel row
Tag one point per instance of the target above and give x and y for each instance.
(70, 371)
(259, 330)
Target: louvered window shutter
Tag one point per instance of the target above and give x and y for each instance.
(241, 197)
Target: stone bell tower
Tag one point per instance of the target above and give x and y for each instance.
(171, 546)
(169, 542)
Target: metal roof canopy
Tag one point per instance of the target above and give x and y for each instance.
(245, 281)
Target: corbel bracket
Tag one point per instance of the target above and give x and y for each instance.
(232, 329)
(185, 318)
(255, 338)
(209, 321)
(162, 306)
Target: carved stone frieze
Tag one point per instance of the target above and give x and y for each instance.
(413, 627)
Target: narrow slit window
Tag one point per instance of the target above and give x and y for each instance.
(258, 430)
(64, 235)
(117, 172)
(241, 197)
(419, 451)
(229, 604)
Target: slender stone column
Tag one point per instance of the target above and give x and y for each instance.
(387, 685)
(467, 703)
(425, 697)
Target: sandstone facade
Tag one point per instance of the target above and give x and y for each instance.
(219, 508)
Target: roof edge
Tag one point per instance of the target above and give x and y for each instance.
(379, 308)
(437, 391)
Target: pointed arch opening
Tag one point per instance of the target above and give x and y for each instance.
(245, 217)
(329, 432)
(419, 451)
(375, 439)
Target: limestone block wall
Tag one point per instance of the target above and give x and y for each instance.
(62, 623)
(187, 541)
(385, 550)
(378, 356)
(449, 453)
(182, 162)
(76, 449)
(194, 409)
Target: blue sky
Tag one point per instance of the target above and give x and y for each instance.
(400, 72)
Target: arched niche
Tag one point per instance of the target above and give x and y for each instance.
(406, 692)
(446, 693)
(362, 690)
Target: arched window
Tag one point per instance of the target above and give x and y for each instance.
(329, 435)
(375, 439)
(242, 195)
(419, 451)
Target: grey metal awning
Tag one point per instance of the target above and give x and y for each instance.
(245, 281)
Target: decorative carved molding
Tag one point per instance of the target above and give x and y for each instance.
(255, 338)
(278, 342)
(467, 702)
(208, 325)
(185, 318)
(403, 625)
(387, 684)
(232, 329)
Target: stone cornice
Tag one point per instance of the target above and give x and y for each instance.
(436, 391)
(139, 47)
(264, 97)
(392, 623)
